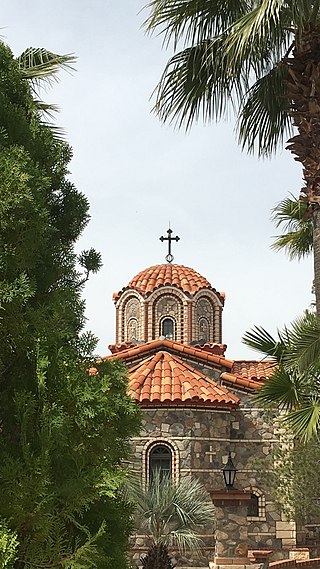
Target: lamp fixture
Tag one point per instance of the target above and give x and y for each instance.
(229, 473)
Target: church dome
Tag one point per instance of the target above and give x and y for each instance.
(186, 279)
(170, 301)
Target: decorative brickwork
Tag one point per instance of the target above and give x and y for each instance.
(145, 471)
(166, 303)
(206, 317)
(129, 321)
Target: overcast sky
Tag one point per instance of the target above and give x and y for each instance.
(139, 174)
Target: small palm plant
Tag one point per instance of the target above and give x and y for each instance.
(170, 514)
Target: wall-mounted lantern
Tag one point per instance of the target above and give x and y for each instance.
(229, 473)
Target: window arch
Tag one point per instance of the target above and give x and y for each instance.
(160, 459)
(174, 454)
(257, 504)
(167, 328)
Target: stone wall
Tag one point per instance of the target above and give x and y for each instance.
(201, 439)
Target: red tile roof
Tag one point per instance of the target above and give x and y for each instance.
(253, 370)
(177, 348)
(116, 348)
(242, 374)
(236, 381)
(165, 379)
(185, 278)
(213, 348)
(249, 374)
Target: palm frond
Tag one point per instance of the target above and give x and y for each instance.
(194, 21)
(303, 12)
(264, 26)
(305, 422)
(38, 65)
(264, 120)
(282, 388)
(57, 131)
(288, 212)
(46, 108)
(191, 503)
(297, 240)
(184, 540)
(260, 340)
(196, 83)
(303, 350)
(295, 243)
(294, 385)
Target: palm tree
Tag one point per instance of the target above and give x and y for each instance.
(294, 385)
(262, 58)
(40, 67)
(169, 514)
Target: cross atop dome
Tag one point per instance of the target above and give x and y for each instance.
(169, 257)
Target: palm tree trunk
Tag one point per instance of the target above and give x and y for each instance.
(303, 91)
(316, 258)
(157, 558)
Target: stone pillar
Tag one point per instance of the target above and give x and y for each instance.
(231, 528)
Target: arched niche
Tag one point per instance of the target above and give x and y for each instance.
(206, 318)
(129, 318)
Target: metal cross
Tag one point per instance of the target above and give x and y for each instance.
(169, 257)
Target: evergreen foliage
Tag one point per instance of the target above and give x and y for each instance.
(8, 547)
(64, 432)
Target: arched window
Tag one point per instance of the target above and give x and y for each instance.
(253, 506)
(160, 459)
(257, 504)
(167, 328)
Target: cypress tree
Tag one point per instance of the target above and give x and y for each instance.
(64, 431)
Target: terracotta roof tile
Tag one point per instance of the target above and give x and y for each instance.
(234, 380)
(253, 370)
(246, 374)
(185, 278)
(139, 350)
(213, 348)
(164, 378)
